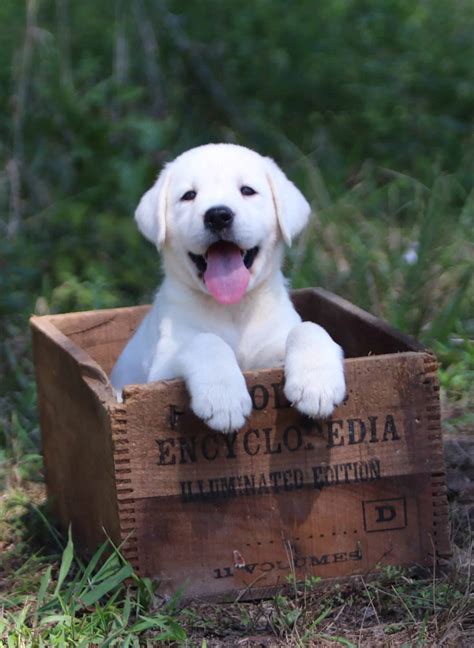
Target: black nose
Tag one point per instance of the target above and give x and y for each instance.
(218, 218)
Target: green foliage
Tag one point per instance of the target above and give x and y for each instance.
(348, 80)
(458, 374)
(457, 380)
(389, 243)
(95, 101)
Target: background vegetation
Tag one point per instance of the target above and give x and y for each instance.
(367, 105)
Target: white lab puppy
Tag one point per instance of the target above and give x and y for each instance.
(220, 215)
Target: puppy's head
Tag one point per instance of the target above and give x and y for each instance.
(220, 213)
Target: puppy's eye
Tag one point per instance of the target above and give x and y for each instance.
(247, 191)
(189, 195)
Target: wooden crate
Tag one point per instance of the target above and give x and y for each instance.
(235, 514)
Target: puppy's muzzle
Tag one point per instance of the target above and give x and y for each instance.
(218, 218)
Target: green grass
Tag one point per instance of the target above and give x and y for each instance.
(58, 600)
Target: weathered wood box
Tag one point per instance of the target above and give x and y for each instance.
(229, 514)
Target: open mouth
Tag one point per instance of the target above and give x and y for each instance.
(224, 268)
(200, 260)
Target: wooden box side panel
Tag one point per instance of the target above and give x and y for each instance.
(358, 332)
(230, 512)
(102, 334)
(76, 436)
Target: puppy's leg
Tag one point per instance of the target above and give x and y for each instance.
(314, 370)
(217, 387)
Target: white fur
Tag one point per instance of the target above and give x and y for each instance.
(187, 333)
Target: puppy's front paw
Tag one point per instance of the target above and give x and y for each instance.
(316, 391)
(223, 407)
(314, 371)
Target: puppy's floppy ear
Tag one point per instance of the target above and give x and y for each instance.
(292, 208)
(150, 214)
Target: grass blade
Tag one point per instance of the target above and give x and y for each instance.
(45, 580)
(66, 562)
(107, 585)
(91, 566)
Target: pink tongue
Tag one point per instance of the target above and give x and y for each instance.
(226, 276)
